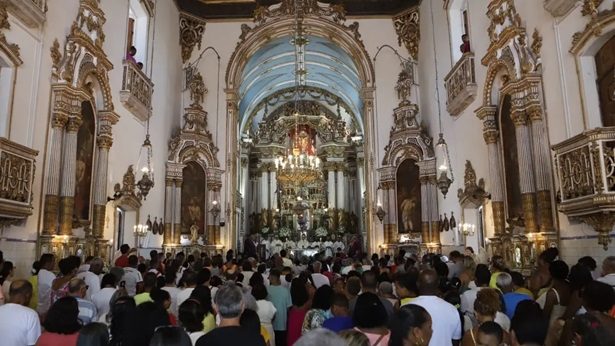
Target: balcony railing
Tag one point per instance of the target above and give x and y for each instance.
(586, 174)
(460, 85)
(16, 179)
(137, 90)
(30, 12)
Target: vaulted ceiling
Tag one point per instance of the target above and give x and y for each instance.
(225, 9)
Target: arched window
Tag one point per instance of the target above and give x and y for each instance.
(459, 27)
(605, 79)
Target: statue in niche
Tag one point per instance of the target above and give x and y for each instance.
(194, 233)
(193, 198)
(84, 163)
(408, 197)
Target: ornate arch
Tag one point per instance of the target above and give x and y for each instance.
(81, 58)
(511, 56)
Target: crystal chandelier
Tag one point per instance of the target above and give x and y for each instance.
(299, 166)
(144, 165)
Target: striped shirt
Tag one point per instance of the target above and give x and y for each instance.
(87, 311)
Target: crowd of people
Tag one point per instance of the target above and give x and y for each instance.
(194, 299)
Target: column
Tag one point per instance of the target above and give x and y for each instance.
(425, 216)
(340, 189)
(67, 190)
(526, 171)
(432, 190)
(331, 189)
(390, 219)
(542, 168)
(177, 211)
(100, 185)
(491, 136)
(273, 179)
(168, 212)
(52, 199)
(264, 190)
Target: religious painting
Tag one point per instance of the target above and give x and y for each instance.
(303, 139)
(514, 206)
(408, 197)
(193, 200)
(84, 164)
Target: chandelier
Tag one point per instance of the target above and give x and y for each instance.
(144, 165)
(300, 166)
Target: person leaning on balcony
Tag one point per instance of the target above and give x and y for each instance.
(465, 46)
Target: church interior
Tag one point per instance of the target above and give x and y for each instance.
(428, 126)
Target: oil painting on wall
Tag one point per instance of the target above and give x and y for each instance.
(85, 159)
(193, 200)
(408, 197)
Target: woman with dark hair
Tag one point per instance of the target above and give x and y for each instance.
(68, 269)
(191, 315)
(148, 317)
(36, 267)
(266, 310)
(411, 325)
(558, 296)
(487, 304)
(541, 279)
(301, 303)
(579, 276)
(170, 336)
(62, 324)
(370, 318)
(6, 277)
(249, 320)
(202, 294)
(94, 334)
(317, 315)
(162, 298)
(123, 314)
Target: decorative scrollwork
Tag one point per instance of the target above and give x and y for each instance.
(11, 49)
(407, 26)
(191, 31)
(575, 170)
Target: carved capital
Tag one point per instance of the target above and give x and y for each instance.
(519, 118)
(191, 31)
(491, 136)
(104, 142)
(407, 26)
(59, 120)
(73, 124)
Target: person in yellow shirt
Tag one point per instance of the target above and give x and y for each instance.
(519, 284)
(149, 283)
(497, 266)
(34, 281)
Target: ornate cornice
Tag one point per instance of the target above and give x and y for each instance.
(10, 49)
(197, 88)
(191, 31)
(473, 194)
(598, 21)
(407, 26)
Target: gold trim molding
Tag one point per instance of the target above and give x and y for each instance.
(10, 49)
(408, 28)
(598, 21)
(191, 31)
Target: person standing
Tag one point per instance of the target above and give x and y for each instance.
(122, 261)
(45, 280)
(87, 310)
(92, 277)
(19, 325)
(280, 297)
(132, 277)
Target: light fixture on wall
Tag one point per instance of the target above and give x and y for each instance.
(442, 155)
(215, 210)
(144, 165)
(140, 231)
(468, 229)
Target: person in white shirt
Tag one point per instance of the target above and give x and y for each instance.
(189, 279)
(247, 272)
(45, 280)
(338, 245)
(445, 318)
(132, 277)
(266, 243)
(266, 310)
(303, 243)
(102, 298)
(172, 289)
(19, 325)
(319, 279)
(608, 271)
(286, 262)
(276, 246)
(92, 277)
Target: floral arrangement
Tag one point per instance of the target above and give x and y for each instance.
(341, 230)
(284, 232)
(265, 230)
(321, 232)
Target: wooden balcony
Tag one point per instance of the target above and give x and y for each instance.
(585, 167)
(137, 90)
(16, 180)
(460, 85)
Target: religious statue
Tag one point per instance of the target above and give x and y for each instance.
(194, 233)
(194, 210)
(407, 211)
(328, 245)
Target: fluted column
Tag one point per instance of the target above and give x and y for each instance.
(341, 205)
(526, 171)
(52, 198)
(491, 135)
(425, 216)
(177, 211)
(390, 218)
(273, 186)
(331, 189)
(100, 185)
(69, 162)
(432, 190)
(542, 168)
(168, 211)
(264, 190)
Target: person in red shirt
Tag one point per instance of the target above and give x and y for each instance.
(122, 261)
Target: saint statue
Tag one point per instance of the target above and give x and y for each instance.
(407, 210)
(194, 233)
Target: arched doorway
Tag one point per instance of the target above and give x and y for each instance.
(337, 105)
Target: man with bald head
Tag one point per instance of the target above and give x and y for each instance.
(92, 277)
(446, 323)
(19, 325)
